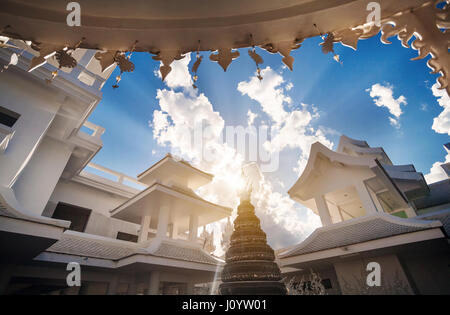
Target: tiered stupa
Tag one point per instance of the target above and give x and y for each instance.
(250, 267)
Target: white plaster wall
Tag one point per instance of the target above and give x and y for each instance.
(352, 276)
(39, 178)
(337, 178)
(85, 196)
(99, 201)
(99, 224)
(37, 108)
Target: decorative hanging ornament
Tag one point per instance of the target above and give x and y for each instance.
(328, 44)
(256, 58)
(124, 63)
(197, 63)
(65, 59)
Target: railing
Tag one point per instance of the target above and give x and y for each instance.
(79, 74)
(117, 177)
(97, 131)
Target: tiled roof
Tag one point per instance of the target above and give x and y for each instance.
(443, 216)
(357, 231)
(184, 253)
(4, 211)
(96, 248)
(84, 245)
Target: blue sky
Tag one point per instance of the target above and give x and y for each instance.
(337, 96)
(338, 92)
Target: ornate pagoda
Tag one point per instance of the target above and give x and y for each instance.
(250, 267)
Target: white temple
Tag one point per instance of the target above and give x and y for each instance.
(140, 235)
(128, 235)
(371, 211)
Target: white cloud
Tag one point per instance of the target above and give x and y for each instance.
(291, 129)
(268, 93)
(383, 96)
(179, 76)
(182, 112)
(251, 116)
(441, 124)
(394, 123)
(437, 173)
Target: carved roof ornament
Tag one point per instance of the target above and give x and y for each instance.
(425, 23)
(106, 59)
(45, 52)
(65, 59)
(227, 231)
(208, 241)
(124, 63)
(350, 37)
(167, 57)
(284, 48)
(224, 57)
(422, 19)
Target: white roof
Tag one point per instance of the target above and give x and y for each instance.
(94, 246)
(9, 207)
(111, 25)
(179, 201)
(318, 150)
(361, 148)
(354, 231)
(177, 171)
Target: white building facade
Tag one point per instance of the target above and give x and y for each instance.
(130, 236)
(372, 212)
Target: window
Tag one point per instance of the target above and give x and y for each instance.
(78, 216)
(127, 237)
(8, 117)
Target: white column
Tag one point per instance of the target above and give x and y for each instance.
(323, 210)
(153, 285)
(375, 200)
(193, 227)
(145, 226)
(174, 230)
(410, 213)
(163, 222)
(365, 198)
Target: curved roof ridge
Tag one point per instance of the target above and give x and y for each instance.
(409, 222)
(333, 156)
(345, 139)
(10, 207)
